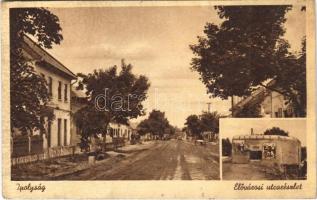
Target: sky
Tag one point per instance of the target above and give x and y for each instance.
(234, 126)
(155, 40)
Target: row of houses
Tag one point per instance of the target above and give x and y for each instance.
(64, 102)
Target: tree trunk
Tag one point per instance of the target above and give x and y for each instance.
(104, 139)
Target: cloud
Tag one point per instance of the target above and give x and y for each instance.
(131, 51)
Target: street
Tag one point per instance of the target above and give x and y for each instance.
(249, 172)
(162, 160)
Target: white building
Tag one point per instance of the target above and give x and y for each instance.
(270, 104)
(120, 131)
(59, 79)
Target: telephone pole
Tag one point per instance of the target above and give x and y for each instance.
(208, 107)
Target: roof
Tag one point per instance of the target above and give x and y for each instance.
(48, 58)
(261, 136)
(77, 93)
(255, 97)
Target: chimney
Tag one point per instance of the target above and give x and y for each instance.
(251, 131)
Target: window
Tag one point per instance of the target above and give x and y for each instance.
(65, 93)
(65, 132)
(255, 155)
(59, 126)
(50, 86)
(59, 90)
(269, 150)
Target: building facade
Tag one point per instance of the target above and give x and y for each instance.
(58, 79)
(268, 150)
(264, 102)
(78, 101)
(120, 131)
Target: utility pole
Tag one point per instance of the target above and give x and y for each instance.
(208, 107)
(232, 105)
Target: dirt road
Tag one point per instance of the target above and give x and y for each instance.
(162, 160)
(249, 171)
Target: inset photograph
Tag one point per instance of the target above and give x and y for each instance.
(263, 149)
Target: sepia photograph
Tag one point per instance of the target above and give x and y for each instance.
(264, 149)
(156, 93)
(94, 97)
(135, 93)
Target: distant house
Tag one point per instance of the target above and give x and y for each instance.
(120, 131)
(209, 136)
(59, 79)
(268, 103)
(115, 130)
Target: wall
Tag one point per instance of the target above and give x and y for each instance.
(54, 136)
(287, 151)
(274, 105)
(61, 106)
(54, 101)
(121, 130)
(74, 131)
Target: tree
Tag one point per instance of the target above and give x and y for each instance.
(246, 51)
(112, 97)
(156, 124)
(276, 131)
(226, 147)
(210, 122)
(143, 127)
(193, 125)
(249, 111)
(28, 90)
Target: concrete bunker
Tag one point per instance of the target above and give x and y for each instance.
(268, 150)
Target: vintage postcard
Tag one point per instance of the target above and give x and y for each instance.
(158, 99)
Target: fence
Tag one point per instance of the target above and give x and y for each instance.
(55, 152)
(46, 154)
(25, 145)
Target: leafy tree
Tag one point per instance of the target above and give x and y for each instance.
(226, 147)
(156, 124)
(193, 125)
(28, 90)
(276, 131)
(112, 97)
(205, 122)
(249, 111)
(247, 50)
(143, 127)
(210, 122)
(184, 129)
